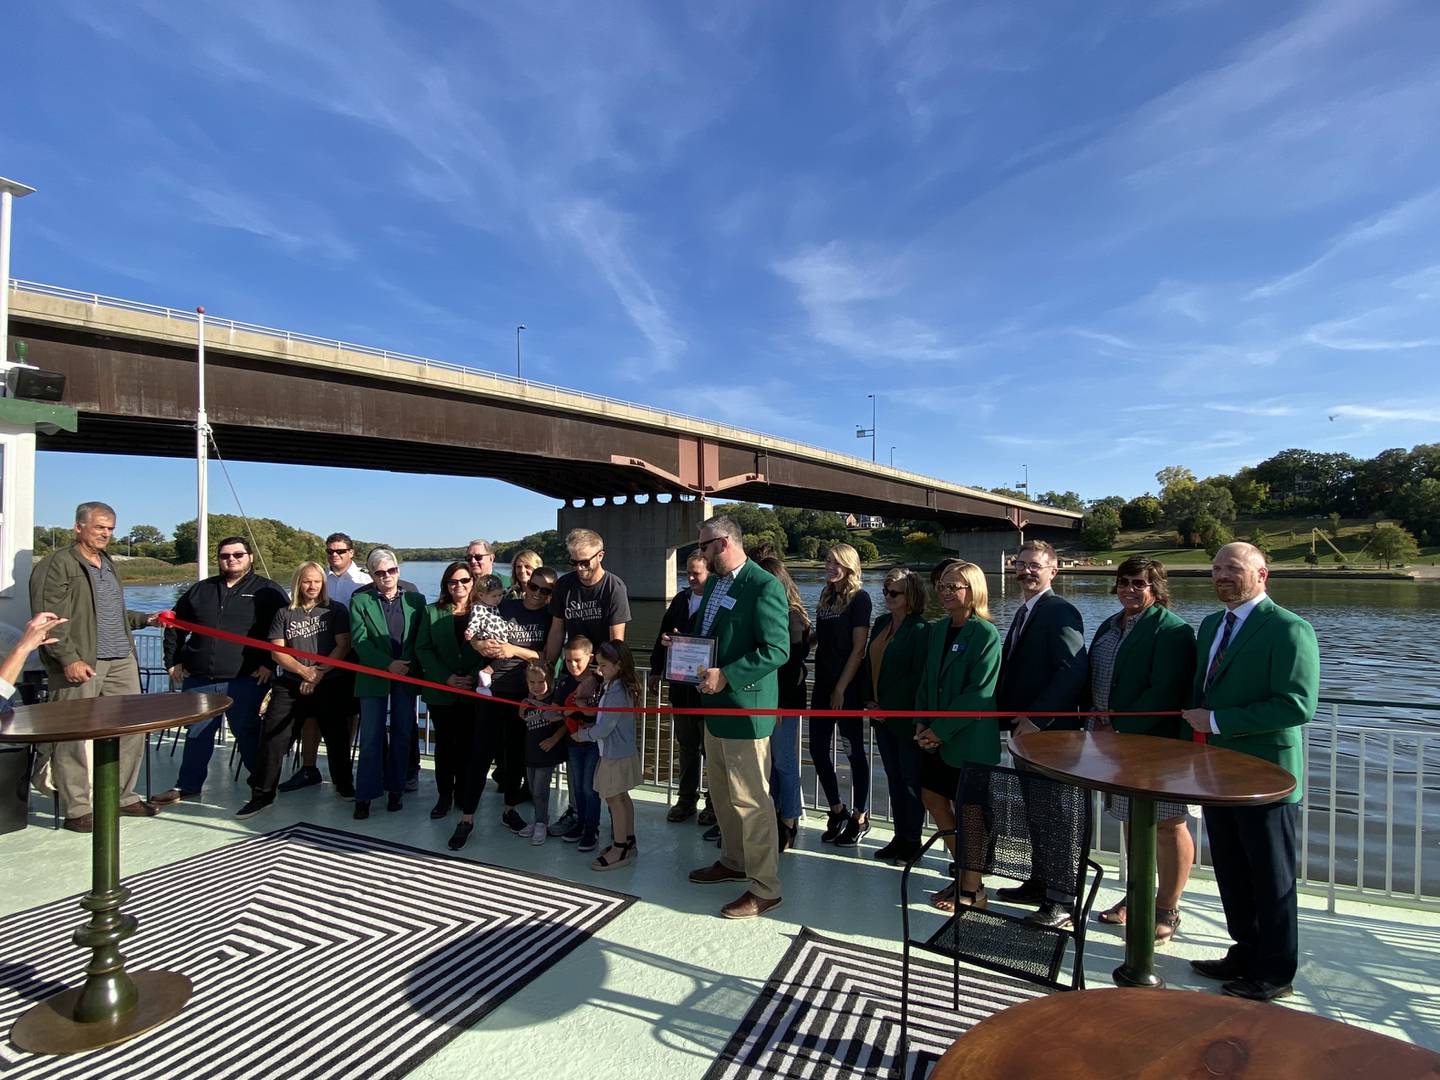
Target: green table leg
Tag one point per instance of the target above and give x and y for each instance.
(111, 1006)
(1139, 966)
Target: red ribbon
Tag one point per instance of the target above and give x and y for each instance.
(168, 619)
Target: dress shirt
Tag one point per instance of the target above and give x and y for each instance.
(341, 587)
(1241, 614)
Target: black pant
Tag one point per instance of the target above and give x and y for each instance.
(329, 706)
(454, 724)
(499, 739)
(689, 729)
(1253, 849)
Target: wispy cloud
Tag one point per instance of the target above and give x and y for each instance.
(1251, 410)
(1418, 414)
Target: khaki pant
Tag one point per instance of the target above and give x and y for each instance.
(739, 775)
(70, 762)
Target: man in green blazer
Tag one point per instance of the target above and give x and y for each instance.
(745, 611)
(1257, 681)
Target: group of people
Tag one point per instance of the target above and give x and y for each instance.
(1248, 683)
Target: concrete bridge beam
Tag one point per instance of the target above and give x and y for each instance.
(640, 539)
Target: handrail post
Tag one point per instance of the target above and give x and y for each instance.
(1334, 766)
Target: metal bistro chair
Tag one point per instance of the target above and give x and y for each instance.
(1059, 859)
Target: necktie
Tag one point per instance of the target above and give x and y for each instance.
(1015, 628)
(1220, 652)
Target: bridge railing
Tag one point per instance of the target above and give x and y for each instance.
(559, 393)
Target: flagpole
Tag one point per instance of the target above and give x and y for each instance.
(202, 450)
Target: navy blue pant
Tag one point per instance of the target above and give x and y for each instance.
(387, 726)
(901, 758)
(1253, 849)
(244, 716)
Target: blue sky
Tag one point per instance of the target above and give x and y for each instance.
(1095, 238)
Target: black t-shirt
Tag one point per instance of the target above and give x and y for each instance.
(313, 631)
(834, 639)
(590, 609)
(527, 629)
(540, 724)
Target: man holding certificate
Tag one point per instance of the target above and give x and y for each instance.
(745, 615)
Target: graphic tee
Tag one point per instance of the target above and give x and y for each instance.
(590, 609)
(313, 631)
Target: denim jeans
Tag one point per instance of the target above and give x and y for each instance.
(582, 760)
(852, 735)
(387, 725)
(901, 758)
(785, 767)
(244, 717)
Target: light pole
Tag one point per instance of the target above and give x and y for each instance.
(10, 190)
(202, 455)
(869, 433)
(1024, 485)
(517, 349)
(892, 457)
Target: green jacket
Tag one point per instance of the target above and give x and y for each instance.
(900, 671)
(370, 639)
(962, 678)
(440, 654)
(60, 584)
(1266, 687)
(1154, 669)
(752, 640)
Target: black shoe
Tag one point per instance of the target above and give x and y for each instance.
(588, 842)
(440, 809)
(1050, 916)
(412, 782)
(899, 851)
(563, 825)
(707, 816)
(460, 835)
(1224, 968)
(362, 809)
(711, 835)
(573, 834)
(787, 834)
(253, 807)
(394, 801)
(305, 776)
(1032, 892)
(1255, 990)
(852, 832)
(345, 794)
(834, 825)
(681, 811)
(513, 821)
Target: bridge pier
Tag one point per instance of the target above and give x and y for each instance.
(986, 549)
(640, 539)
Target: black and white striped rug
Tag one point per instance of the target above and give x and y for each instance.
(831, 1010)
(314, 953)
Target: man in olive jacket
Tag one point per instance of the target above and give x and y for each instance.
(93, 655)
(1257, 681)
(746, 613)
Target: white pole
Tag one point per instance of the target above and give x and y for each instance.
(5, 202)
(202, 433)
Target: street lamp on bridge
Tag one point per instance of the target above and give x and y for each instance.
(517, 349)
(10, 190)
(869, 433)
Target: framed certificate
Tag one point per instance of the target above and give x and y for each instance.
(686, 657)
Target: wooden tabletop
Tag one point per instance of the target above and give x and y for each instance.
(1147, 1034)
(1149, 767)
(107, 717)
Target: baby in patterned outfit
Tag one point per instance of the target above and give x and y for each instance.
(485, 621)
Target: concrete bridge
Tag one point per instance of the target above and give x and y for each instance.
(275, 395)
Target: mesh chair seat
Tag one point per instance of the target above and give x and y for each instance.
(1001, 942)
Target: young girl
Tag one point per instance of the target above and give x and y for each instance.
(614, 733)
(486, 623)
(544, 748)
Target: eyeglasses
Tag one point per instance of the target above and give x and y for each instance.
(706, 543)
(461, 580)
(585, 564)
(543, 590)
(232, 556)
(386, 573)
(481, 557)
(337, 551)
(1030, 565)
(1132, 583)
(894, 594)
(950, 588)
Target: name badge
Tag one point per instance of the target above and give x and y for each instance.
(958, 647)
(727, 602)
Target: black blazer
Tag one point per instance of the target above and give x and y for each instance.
(1048, 672)
(675, 621)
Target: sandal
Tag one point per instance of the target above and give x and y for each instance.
(944, 900)
(1167, 924)
(627, 851)
(1115, 915)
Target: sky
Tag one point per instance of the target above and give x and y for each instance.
(1093, 238)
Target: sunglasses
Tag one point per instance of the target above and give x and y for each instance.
(543, 590)
(480, 558)
(461, 580)
(949, 588)
(1132, 583)
(386, 573)
(338, 551)
(894, 594)
(585, 564)
(231, 556)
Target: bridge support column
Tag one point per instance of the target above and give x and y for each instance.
(986, 550)
(640, 539)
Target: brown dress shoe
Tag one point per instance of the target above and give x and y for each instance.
(140, 809)
(716, 873)
(165, 798)
(749, 906)
(81, 823)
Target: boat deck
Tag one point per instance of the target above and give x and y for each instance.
(660, 989)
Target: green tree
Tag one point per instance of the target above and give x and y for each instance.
(1392, 544)
(1010, 493)
(1100, 528)
(920, 545)
(1249, 494)
(548, 544)
(1114, 502)
(866, 549)
(1212, 533)
(1174, 478)
(754, 519)
(146, 534)
(1141, 512)
(1334, 529)
(1062, 500)
(1185, 507)
(809, 547)
(1417, 504)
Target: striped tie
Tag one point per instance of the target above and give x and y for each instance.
(1015, 628)
(1230, 620)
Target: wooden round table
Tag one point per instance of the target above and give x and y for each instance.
(1091, 1034)
(112, 1005)
(1147, 769)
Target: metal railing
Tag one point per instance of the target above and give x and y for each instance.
(657, 416)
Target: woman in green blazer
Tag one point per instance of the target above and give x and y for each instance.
(446, 657)
(894, 661)
(962, 666)
(1143, 657)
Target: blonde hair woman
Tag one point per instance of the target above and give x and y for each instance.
(842, 625)
(524, 563)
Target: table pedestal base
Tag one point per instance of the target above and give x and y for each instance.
(51, 1028)
(1139, 966)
